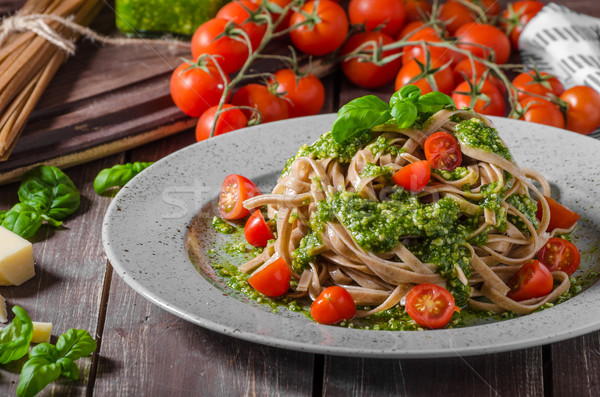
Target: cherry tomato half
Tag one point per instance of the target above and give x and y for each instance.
(532, 280)
(306, 93)
(442, 151)
(234, 191)
(414, 176)
(333, 305)
(430, 305)
(227, 121)
(582, 115)
(560, 255)
(560, 216)
(273, 280)
(256, 231)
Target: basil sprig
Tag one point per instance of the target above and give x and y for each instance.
(406, 107)
(118, 175)
(16, 337)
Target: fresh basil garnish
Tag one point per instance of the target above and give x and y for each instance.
(118, 175)
(16, 337)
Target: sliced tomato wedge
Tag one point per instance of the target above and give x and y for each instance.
(256, 231)
(234, 191)
(442, 151)
(560, 255)
(273, 280)
(430, 305)
(333, 305)
(560, 216)
(414, 176)
(532, 280)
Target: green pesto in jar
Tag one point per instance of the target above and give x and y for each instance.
(156, 17)
(476, 134)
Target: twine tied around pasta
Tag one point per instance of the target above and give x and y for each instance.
(36, 23)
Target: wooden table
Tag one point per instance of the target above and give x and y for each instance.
(145, 351)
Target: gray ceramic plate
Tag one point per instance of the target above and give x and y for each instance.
(145, 230)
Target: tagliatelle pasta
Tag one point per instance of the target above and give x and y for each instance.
(341, 219)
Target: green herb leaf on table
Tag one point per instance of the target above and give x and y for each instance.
(359, 115)
(118, 175)
(22, 219)
(75, 343)
(16, 337)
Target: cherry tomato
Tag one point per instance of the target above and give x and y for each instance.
(227, 121)
(516, 16)
(582, 114)
(430, 305)
(409, 28)
(306, 93)
(195, 89)
(387, 14)
(368, 74)
(442, 151)
(560, 255)
(537, 83)
(416, 10)
(489, 7)
(324, 35)
(414, 176)
(560, 216)
(439, 74)
(236, 12)
(230, 53)
(273, 280)
(465, 68)
(487, 36)
(418, 52)
(541, 111)
(494, 106)
(454, 15)
(234, 191)
(333, 305)
(271, 106)
(285, 21)
(532, 280)
(256, 231)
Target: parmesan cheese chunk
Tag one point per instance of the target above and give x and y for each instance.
(41, 332)
(16, 258)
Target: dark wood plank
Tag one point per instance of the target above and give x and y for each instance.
(70, 268)
(576, 366)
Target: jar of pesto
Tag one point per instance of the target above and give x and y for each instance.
(151, 18)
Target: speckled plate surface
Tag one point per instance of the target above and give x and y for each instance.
(144, 236)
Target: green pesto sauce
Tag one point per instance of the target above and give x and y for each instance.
(476, 134)
(454, 175)
(382, 145)
(372, 170)
(527, 207)
(221, 226)
(304, 253)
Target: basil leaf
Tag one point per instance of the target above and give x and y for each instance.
(36, 374)
(50, 191)
(75, 343)
(23, 220)
(2, 216)
(359, 115)
(405, 114)
(434, 102)
(16, 337)
(410, 93)
(118, 175)
(68, 368)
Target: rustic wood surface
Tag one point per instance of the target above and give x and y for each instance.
(147, 351)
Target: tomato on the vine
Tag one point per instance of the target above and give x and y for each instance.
(234, 191)
(271, 106)
(256, 230)
(272, 280)
(428, 35)
(416, 10)
(532, 280)
(326, 31)
(560, 255)
(541, 111)
(442, 151)
(387, 14)
(483, 97)
(516, 16)
(368, 74)
(477, 69)
(489, 7)
(430, 305)
(560, 216)
(333, 305)
(195, 88)
(305, 93)
(228, 120)
(454, 15)
(414, 176)
(230, 53)
(582, 113)
(539, 83)
(237, 11)
(489, 38)
(437, 77)
(409, 28)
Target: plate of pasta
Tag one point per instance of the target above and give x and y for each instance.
(346, 214)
